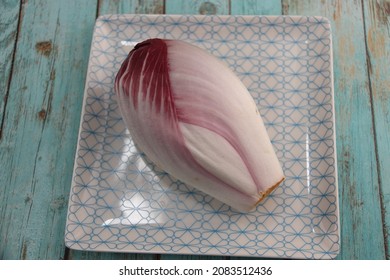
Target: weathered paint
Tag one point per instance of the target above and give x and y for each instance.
(10, 11)
(377, 29)
(197, 7)
(41, 88)
(253, 7)
(40, 128)
(131, 7)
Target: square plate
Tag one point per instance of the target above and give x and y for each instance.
(121, 202)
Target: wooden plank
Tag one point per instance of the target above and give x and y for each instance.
(89, 255)
(253, 7)
(41, 125)
(360, 212)
(8, 33)
(377, 26)
(120, 7)
(212, 7)
(131, 7)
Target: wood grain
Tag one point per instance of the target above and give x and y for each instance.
(377, 29)
(212, 7)
(253, 7)
(40, 126)
(8, 35)
(131, 7)
(44, 49)
(360, 212)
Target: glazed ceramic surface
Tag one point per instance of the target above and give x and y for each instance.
(121, 202)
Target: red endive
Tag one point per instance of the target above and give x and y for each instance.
(193, 117)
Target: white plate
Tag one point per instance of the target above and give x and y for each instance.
(121, 202)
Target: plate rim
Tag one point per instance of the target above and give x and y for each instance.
(74, 245)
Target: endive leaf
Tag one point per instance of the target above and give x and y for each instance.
(193, 117)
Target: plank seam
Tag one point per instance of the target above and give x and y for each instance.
(285, 6)
(164, 7)
(66, 253)
(369, 71)
(98, 8)
(11, 68)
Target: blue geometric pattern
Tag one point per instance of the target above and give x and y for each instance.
(121, 202)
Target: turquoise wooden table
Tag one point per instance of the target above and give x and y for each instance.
(44, 51)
